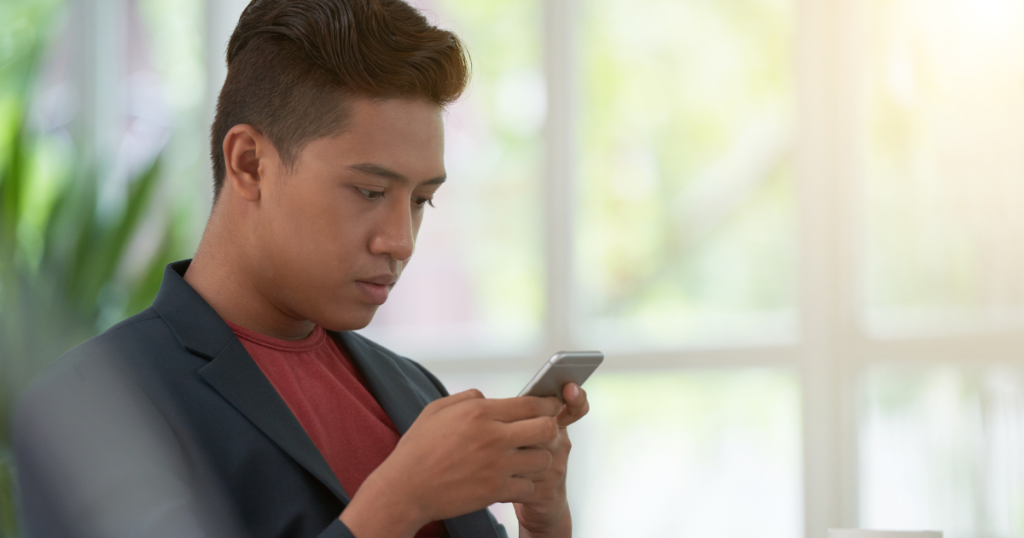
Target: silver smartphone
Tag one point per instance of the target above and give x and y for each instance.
(561, 369)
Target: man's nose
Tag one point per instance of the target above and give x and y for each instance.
(394, 235)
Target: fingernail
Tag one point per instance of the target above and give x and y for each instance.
(574, 391)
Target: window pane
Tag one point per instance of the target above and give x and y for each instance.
(943, 448)
(686, 225)
(944, 166)
(475, 284)
(175, 35)
(708, 454)
(685, 453)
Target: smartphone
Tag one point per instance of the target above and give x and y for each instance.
(561, 369)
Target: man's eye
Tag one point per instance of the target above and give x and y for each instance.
(420, 202)
(370, 195)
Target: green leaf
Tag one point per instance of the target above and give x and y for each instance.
(10, 194)
(110, 244)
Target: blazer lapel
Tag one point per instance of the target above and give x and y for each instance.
(393, 390)
(240, 381)
(233, 373)
(403, 402)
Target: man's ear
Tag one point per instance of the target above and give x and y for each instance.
(245, 149)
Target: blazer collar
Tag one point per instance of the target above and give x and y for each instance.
(233, 373)
(196, 324)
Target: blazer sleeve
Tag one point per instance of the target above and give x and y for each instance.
(95, 458)
(498, 527)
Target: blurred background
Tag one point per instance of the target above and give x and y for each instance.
(793, 226)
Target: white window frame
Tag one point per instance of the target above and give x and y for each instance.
(832, 349)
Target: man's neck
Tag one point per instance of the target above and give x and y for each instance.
(221, 274)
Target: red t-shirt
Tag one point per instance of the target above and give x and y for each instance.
(328, 395)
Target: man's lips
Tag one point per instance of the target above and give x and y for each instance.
(387, 279)
(376, 289)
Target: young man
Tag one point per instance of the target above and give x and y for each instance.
(243, 379)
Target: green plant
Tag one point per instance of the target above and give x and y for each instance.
(66, 269)
(55, 293)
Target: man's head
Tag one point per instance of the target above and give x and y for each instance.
(327, 145)
(295, 65)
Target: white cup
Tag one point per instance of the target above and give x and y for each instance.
(861, 533)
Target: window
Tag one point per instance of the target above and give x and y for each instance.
(792, 226)
(938, 404)
(685, 228)
(940, 447)
(943, 172)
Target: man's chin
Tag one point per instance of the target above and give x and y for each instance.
(351, 319)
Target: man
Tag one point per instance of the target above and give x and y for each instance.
(241, 399)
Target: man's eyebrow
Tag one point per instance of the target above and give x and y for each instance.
(380, 171)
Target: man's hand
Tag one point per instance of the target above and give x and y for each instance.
(462, 454)
(546, 511)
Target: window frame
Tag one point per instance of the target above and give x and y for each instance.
(832, 349)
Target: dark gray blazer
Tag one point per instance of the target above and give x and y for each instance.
(165, 426)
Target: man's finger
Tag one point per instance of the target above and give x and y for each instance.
(527, 462)
(576, 405)
(532, 431)
(448, 401)
(522, 408)
(517, 489)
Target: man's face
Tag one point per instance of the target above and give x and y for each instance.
(335, 232)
